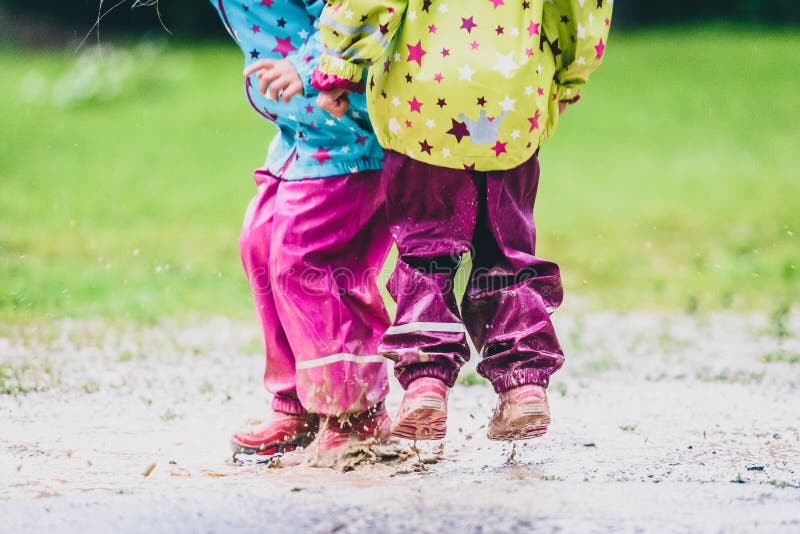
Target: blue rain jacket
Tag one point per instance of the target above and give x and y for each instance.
(310, 143)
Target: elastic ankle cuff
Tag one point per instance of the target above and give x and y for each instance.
(522, 377)
(407, 375)
(288, 405)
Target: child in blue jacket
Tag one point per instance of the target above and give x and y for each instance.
(313, 240)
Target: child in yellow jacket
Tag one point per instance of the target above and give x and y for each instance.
(461, 96)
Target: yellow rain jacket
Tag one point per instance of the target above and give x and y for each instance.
(465, 84)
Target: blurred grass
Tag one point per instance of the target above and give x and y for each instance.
(675, 183)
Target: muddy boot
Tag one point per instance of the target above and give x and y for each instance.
(521, 413)
(423, 412)
(347, 435)
(283, 433)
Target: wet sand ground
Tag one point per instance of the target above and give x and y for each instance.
(660, 423)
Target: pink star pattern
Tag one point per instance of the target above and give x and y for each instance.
(499, 148)
(322, 155)
(483, 73)
(600, 48)
(270, 29)
(284, 46)
(534, 121)
(468, 24)
(415, 53)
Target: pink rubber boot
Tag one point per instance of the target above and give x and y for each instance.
(521, 413)
(283, 433)
(423, 412)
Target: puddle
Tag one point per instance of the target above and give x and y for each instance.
(647, 420)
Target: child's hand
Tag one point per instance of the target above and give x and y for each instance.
(336, 102)
(276, 76)
(562, 107)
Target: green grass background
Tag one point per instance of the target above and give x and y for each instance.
(674, 184)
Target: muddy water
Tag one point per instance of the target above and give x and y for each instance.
(659, 423)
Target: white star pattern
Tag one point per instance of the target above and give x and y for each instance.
(506, 64)
(465, 73)
(508, 103)
(483, 95)
(438, 108)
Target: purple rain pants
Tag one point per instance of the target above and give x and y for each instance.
(436, 215)
(312, 251)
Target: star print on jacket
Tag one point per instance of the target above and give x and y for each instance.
(473, 85)
(309, 142)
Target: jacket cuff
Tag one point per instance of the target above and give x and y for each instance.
(568, 94)
(327, 82)
(341, 68)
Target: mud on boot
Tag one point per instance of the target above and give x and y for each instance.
(423, 412)
(341, 437)
(521, 413)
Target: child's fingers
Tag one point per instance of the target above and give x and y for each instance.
(343, 104)
(337, 94)
(267, 77)
(258, 65)
(295, 88)
(324, 101)
(277, 86)
(333, 105)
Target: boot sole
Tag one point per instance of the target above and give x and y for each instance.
(424, 422)
(527, 422)
(267, 449)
